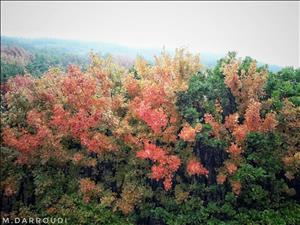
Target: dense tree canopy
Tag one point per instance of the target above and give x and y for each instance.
(168, 143)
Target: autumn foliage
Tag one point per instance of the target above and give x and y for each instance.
(123, 136)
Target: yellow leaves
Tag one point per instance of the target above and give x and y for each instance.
(180, 195)
(188, 133)
(181, 66)
(142, 68)
(171, 70)
(244, 85)
(108, 199)
(9, 186)
(131, 195)
(89, 189)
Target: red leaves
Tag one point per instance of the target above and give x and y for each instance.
(166, 164)
(19, 82)
(74, 105)
(173, 163)
(196, 168)
(97, 143)
(158, 172)
(155, 95)
(26, 142)
(79, 88)
(152, 152)
(156, 119)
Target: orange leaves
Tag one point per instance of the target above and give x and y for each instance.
(79, 126)
(240, 133)
(188, 133)
(231, 121)
(132, 86)
(89, 189)
(246, 87)
(216, 127)
(269, 124)
(232, 79)
(166, 164)
(254, 121)
(221, 178)
(231, 167)
(173, 162)
(87, 185)
(252, 116)
(34, 118)
(60, 118)
(234, 150)
(236, 187)
(196, 168)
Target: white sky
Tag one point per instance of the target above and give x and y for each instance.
(266, 31)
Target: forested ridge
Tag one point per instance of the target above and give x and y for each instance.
(36, 56)
(168, 142)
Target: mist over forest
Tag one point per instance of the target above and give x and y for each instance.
(100, 133)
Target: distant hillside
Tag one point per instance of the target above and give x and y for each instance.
(15, 54)
(82, 48)
(37, 55)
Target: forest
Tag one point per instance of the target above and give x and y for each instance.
(168, 141)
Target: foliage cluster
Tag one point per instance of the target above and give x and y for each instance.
(168, 143)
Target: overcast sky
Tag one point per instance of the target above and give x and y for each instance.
(267, 31)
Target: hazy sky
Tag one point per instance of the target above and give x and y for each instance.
(267, 31)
